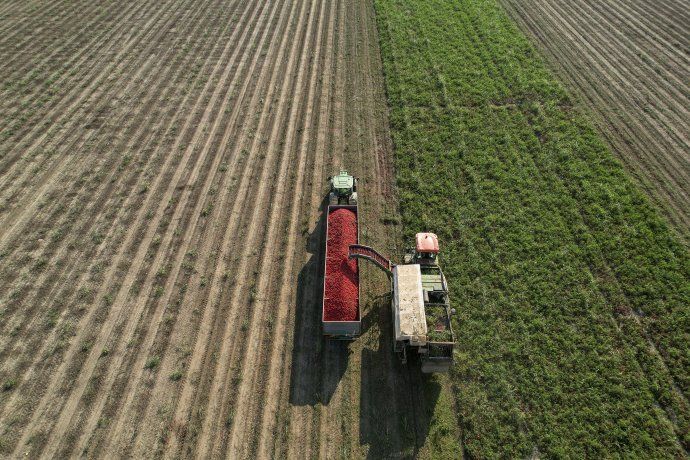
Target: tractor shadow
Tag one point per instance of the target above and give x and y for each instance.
(318, 364)
(396, 400)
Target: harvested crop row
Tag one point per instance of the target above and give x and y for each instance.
(341, 295)
(571, 291)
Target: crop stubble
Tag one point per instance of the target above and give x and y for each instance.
(149, 289)
(342, 285)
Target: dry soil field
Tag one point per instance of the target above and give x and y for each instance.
(162, 171)
(629, 61)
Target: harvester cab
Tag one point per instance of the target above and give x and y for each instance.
(343, 189)
(425, 251)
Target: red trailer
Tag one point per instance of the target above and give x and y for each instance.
(341, 315)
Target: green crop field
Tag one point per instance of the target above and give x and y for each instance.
(572, 294)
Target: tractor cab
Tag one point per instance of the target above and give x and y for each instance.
(425, 251)
(343, 189)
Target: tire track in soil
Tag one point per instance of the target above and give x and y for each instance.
(302, 419)
(640, 145)
(301, 438)
(355, 150)
(374, 361)
(346, 409)
(366, 120)
(332, 356)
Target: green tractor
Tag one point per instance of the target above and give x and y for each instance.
(343, 189)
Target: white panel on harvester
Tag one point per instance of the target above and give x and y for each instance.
(408, 304)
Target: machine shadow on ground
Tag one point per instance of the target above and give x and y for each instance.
(318, 365)
(396, 400)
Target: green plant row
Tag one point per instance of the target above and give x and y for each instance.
(573, 296)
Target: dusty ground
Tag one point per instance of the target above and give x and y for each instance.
(162, 171)
(629, 61)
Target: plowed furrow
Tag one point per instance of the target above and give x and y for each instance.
(212, 303)
(38, 102)
(281, 320)
(256, 236)
(140, 216)
(136, 367)
(636, 28)
(52, 46)
(72, 243)
(156, 293)
(672, 91)
(31, 15)
(243, 438)
(10, 9)
(604, 98)
(231, 203)
(26, 207)
(136, 306)
(137, 137)
(45, 85)
(86, 101)
(131, 366)
(669, 16)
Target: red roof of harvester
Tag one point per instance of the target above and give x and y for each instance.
(427, 242)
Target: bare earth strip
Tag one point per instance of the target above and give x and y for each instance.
(630, 63)
(161, 189)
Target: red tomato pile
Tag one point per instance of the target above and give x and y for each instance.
(341, 302)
